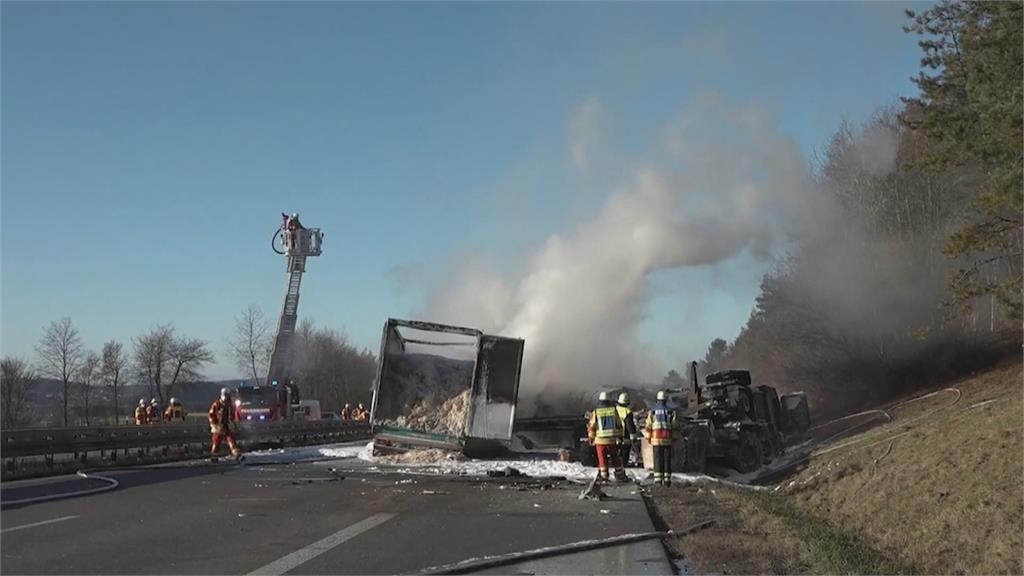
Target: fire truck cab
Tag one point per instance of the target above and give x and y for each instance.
(266, 403)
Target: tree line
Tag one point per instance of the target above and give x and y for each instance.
(914, 273)
(327, 368)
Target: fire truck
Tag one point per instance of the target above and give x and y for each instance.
(278, 398)
(267, 403)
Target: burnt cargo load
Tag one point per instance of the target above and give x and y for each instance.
(441, 386)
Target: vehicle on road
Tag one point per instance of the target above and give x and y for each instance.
(278, 398)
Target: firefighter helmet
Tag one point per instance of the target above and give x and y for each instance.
(624, 399)
(662, 395)
(225, 393)
(142, 401)
(602, 397)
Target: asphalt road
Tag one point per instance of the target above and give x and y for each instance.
(304, 518)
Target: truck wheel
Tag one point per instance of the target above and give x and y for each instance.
(748, 455)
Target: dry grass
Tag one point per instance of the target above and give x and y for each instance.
(948, 492)
(763, 533)
(940, 490)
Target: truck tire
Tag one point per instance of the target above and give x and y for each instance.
(748, 454)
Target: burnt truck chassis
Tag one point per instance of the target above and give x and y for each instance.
(738, 424)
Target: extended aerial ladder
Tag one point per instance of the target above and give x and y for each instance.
(299, 243)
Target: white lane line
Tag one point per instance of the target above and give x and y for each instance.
(282, 565)
(34, 524)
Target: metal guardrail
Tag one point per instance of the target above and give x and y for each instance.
(22, 442)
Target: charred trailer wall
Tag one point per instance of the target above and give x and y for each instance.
(445, 386)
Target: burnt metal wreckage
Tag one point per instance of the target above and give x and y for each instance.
(447, 387)
(732, 421)
(725, 420)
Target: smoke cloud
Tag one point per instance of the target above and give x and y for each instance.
(726, 180)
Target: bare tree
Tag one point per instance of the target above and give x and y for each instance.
(113, 364)
(162, 360)
(327, 367)
(16, 381)
(251, 345)
(88, 372)
(153, 357)
(188, 356)
(60, 353)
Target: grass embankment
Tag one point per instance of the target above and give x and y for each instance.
(938, 490)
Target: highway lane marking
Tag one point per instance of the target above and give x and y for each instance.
(34, 524)
(303, 555)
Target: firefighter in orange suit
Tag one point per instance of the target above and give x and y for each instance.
(661, 420)
(153, 412)
(361, 414)
(222, 425)
(140, 413)
(605, 432)
(175, 412)
(346, 412)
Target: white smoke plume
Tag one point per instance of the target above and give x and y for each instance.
(729, 181)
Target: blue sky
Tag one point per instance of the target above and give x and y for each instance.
(149, 148)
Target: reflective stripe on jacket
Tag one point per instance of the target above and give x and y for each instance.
(175, 412)
(220, 417)
(605, 425)
(628, 422)
(660, 422)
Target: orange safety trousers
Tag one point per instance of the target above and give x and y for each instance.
(218, 438)
(608, 454)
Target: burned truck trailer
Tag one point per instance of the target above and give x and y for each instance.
(441, 386)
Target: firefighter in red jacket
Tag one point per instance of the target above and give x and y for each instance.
(140, 413)
(175, 412)
(605, 432)
(222, 425)
(361, 414)
(153, 412)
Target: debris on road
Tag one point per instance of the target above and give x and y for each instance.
(507, 472)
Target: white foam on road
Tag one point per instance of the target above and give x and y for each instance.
(536, 466)
(351, 450)
(303, 555)
(34, 524)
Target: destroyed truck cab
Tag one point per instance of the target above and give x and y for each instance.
(742, 425)
(447, 387)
